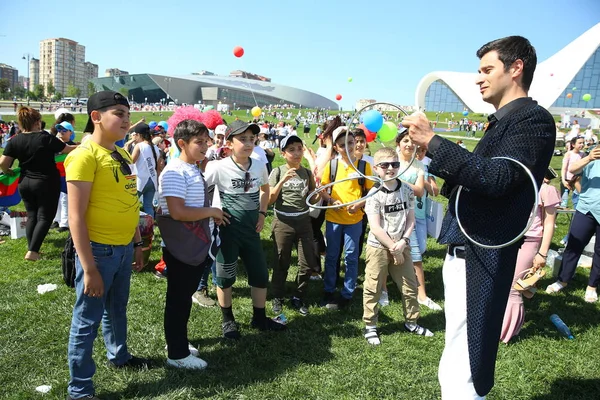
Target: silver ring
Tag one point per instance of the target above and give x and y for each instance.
(322, 188)
(531, 218)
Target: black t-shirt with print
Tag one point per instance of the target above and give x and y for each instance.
(35, 152)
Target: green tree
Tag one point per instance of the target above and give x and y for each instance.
(20, 92)
(4, 86)
(73, 91)
(58, 96)
(38, 92)
(50, 89)
(124, 91)
(91, 89)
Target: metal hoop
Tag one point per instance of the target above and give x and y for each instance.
(353, 124)
(531, 218)
(322, 188)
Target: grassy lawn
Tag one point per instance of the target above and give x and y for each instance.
(322, 356)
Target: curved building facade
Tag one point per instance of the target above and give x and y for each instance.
(210, 90)
(559, 83)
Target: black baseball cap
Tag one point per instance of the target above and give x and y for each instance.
(237, 127)
(289, 139)
(101, 100)
(142, 129)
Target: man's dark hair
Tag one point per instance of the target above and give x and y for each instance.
(511, 49)
(188, 129)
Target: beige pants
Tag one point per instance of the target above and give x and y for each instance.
(379, 264)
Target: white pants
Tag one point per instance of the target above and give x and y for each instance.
(62, 217)
(455, 371)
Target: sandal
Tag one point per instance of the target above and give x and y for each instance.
(530, 278)
(418, 330)
(372, 336)
(591, 296)
(555, 287)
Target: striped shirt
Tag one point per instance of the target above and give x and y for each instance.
(182, 180)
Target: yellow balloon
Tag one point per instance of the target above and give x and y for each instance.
(256, 111)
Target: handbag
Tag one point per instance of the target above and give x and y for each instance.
(434, 217)
(187, 241)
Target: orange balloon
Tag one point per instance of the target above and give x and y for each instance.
(238, 51)
(569, 95)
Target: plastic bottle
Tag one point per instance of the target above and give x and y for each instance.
(565, 198)
(561, 326)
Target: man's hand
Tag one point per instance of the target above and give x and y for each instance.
(419, 130)
(93, 285)
(138, 256)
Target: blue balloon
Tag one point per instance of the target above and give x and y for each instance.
(373, 120)
(465, 113)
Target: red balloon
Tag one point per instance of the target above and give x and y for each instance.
(338, 97)
(370, 136)
(238, 51)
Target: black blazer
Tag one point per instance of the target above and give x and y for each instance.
(494, 207)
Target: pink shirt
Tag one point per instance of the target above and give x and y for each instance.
(549, 198)
(569, 159)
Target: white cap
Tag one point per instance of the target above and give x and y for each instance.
(220, 130)
(337, 132)
(60, 111)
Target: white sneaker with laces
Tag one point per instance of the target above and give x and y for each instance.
(190, 362)
(430, 304)
(384, 299)
(191, 348)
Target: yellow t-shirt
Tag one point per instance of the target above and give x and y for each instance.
(345, 192)
(113, 211)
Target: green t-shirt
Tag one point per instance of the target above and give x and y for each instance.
(292, 197)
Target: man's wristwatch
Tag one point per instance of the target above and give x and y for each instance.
(138, 244)
(264, 213)
(407, 240)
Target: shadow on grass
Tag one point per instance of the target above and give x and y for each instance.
(571, 389)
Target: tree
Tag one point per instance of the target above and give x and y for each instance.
(38, 92)
(50, 89)
(4, 86)
(124, 91)
(91, 89)
(58, 96)
(20, 92)
(73, 91)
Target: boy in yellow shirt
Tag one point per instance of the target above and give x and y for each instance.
(103, 217)
(343, 225)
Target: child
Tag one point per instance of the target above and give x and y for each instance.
(101, 191)
(244, 191)
(344, 224)
(219, 139)
(289, 188)
(182, 196)
(391, 220)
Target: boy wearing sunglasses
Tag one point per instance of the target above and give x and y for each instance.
(103, 217)
(391, 220)
(244, 191)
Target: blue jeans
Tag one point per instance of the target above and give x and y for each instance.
(350, 235)
(147, 195)
(204, 280)
(114, 265)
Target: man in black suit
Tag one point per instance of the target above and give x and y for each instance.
(494, 207)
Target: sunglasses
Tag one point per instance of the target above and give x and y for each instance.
(247, 182)
(123, 166)
(61, 128)
(386, 165)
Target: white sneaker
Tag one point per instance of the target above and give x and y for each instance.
(430, 304)
(191, 348)
(384, 299)
(190, 362)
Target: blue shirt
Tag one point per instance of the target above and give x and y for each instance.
(590, 190)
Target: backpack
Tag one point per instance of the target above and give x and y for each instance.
(362, 165)
(68, 262)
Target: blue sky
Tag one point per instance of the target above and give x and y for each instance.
(386, 46)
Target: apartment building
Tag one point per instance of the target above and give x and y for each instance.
(62, 62)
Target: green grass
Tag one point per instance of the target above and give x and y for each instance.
(322, 356)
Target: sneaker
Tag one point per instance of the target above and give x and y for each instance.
(54, 225)
(299, 306)
(418, 330)
(267, 324)
(88, 397)
(133, 363)
(430, 304)
(159, 275)
(63, 229)
(315, 276)
(191, 348)
(277, 305)
(202, 299)
(562, 242)
(384, 299)
(329, 302)
(230, 330)
(190, 362)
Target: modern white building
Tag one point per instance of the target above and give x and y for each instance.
(559, 83)
(61, 61)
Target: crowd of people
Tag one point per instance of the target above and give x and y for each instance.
(210, 190)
